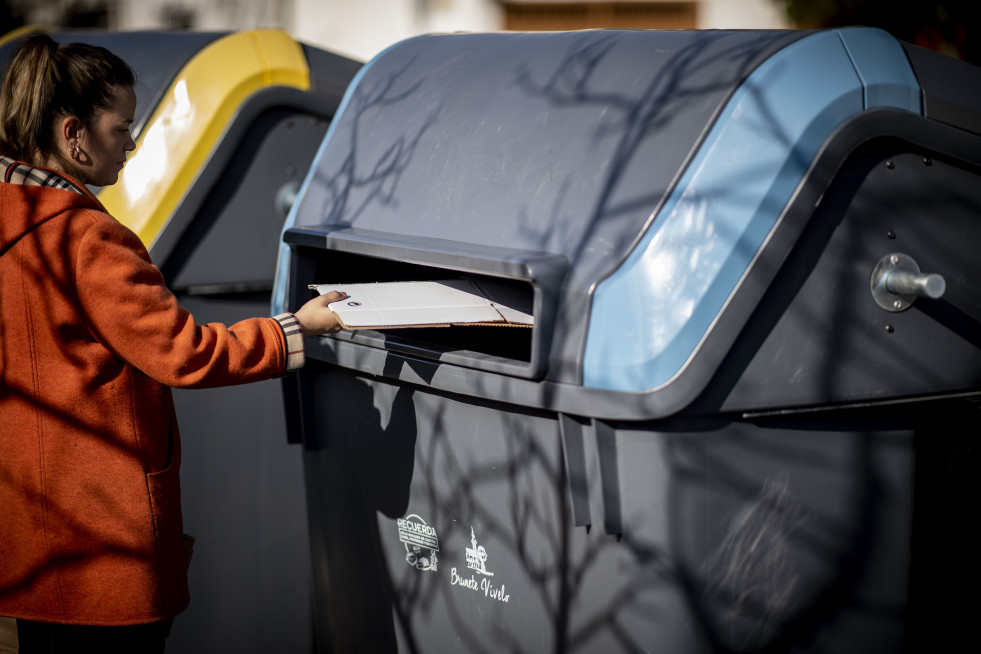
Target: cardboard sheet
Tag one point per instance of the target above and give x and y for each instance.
(393, 305)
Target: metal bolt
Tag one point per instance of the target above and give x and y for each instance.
(890, 329)
(890, 234)
(890, 165)
(898, 304)
(927, 161)
(894, 259)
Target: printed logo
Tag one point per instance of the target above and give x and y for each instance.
(421, 542)
(477, 556)
(477, 561)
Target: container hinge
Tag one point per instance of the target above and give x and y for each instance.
(589, 450)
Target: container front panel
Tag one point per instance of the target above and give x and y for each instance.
(443, 524)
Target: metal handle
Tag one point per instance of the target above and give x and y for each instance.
(897, 282)
(918, 284)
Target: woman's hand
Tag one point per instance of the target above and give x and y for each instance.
(316, 319)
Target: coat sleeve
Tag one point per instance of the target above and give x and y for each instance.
(134, 314)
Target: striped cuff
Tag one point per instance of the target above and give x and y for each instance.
(294, 341)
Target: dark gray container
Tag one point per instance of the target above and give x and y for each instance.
(711, 438)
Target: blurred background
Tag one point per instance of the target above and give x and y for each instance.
(364, 28)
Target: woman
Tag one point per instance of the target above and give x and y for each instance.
(91, 340)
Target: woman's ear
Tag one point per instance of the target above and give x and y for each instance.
(69, 135)
(70, 126)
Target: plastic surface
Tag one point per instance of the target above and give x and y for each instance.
(649, 316)
(368, 173)
(558, 143)
(761, 501)
(951, 88)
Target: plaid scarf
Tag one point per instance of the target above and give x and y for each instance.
(16, 172)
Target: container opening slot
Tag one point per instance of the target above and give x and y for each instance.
(504, 342)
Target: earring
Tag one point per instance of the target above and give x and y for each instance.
(73, 151)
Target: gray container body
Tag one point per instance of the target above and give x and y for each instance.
(715, 438)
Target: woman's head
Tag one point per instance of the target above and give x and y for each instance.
(68, 107)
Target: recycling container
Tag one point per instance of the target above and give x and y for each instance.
(745, 418)
(226, 126)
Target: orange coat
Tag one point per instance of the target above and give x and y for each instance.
(90, 342)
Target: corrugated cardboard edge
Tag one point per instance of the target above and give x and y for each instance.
(445, 324)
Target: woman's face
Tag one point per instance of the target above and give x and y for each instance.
(104, 143)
